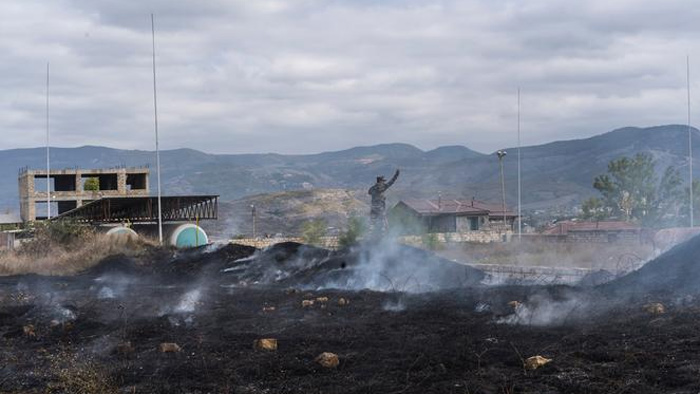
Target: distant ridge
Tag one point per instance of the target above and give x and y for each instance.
(556, 173)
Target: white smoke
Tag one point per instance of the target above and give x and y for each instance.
(386, 265)
(394, 305)
(114, 285)
(541, 310)
(106, 293)
(189, 301)
(214, 246)
(64, 314)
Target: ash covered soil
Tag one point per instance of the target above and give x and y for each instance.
(408, 322)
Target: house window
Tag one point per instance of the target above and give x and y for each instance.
(474, 223)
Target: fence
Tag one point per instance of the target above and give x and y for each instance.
(7, 241)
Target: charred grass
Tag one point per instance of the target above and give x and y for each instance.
(67, 335)
(436, 343)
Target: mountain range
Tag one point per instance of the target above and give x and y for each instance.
(554, 174)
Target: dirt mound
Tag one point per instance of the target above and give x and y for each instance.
(117, 264)
(676, 271)
(203, 261)
(385, 266)
(596, 278)
(161, 263)
(381, 266)
(277, 264)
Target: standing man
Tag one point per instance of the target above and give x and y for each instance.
(377, 214)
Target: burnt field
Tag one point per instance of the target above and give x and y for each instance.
(188, 323)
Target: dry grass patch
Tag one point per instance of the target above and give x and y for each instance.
(66, 249)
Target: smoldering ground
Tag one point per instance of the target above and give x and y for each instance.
(434, 334)
(381, 266)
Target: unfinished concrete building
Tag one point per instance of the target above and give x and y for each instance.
(71, 188)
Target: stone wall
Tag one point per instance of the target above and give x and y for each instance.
(481, 236)
(412, 240)
(262, 243)
(593, 236)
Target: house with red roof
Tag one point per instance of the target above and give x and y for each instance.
(445, 215)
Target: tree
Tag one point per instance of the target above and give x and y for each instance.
(356, 228)
(313, 230)
(594, 209)
(631, 190)
(669, 197)
(92, 184)
(683, 211)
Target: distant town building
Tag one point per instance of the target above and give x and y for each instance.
(71, 188)
(451, 216)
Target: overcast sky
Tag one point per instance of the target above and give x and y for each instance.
(302, 76)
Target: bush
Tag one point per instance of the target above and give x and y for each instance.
(356, 229)
(92, 184)
(431, 241)
(62, 233)
(313, 230)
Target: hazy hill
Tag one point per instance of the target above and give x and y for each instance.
(285, 212)
(557, 173)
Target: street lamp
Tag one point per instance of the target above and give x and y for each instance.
(501, 154)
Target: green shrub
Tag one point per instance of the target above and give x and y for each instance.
(92, 184)
(430, 241)
(63, 233)
(313, 230)
(357, 227)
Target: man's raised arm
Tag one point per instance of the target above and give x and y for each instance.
(393, 179)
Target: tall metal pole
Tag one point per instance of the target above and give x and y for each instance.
(48, 156)
(690, 141)
(520, 218)
(155, 111)
(501, 154)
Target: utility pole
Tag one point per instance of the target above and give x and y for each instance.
(520, 217)
(253, 212)
(501, 154)
(48, 162)
(690, 142)
(155, 111)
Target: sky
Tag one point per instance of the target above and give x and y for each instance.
(304, 76)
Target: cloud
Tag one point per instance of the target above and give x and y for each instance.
(300, 76)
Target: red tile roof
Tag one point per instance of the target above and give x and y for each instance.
(457, 207)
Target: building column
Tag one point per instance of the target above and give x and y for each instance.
(121, 181)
